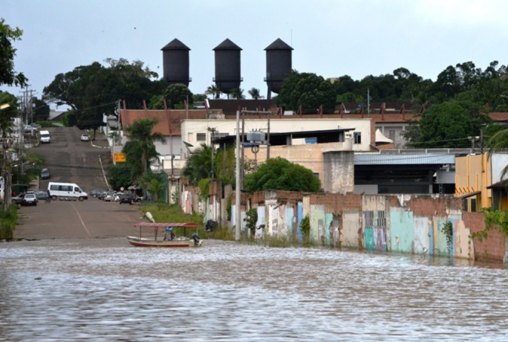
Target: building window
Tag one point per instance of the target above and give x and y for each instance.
(357, 137)
(200, 136)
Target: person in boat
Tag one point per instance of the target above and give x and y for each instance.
(169, 234)
(195, 238)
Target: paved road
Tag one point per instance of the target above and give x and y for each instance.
(71, 160)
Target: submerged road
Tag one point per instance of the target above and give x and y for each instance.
(71, 160)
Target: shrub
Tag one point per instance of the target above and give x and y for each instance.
(8, 220)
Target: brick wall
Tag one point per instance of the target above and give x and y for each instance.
(491, 249)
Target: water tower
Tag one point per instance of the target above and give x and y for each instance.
(175, 57)
(278, 65)
(227, 66)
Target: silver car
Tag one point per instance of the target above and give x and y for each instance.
(29, 199)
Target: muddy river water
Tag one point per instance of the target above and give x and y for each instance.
(105, 290)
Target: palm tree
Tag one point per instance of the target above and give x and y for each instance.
(498, 142)
(213, 90)
(199, 165)
(254, 93)
(237, 93)
(140, 133)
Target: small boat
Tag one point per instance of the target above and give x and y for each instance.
(164, 235)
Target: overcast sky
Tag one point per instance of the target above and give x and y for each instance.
(330, 37)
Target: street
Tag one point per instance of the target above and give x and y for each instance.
(71, 160)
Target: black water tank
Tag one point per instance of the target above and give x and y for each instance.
(227, 66)
(175, 57)
(278, 65)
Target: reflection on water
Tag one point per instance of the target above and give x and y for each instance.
(105, 290)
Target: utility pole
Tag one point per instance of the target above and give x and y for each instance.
(237, 174)
(26, 99)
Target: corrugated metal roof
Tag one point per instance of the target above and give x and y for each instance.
(403, 159)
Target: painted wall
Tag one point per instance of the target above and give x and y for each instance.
(402, 224)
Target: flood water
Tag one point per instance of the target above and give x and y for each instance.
(105, 290)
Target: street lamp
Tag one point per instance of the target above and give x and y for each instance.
(5, 106)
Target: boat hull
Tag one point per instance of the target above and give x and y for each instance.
(143, 242)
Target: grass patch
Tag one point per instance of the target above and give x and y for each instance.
(277, 241)
(221, 234)
(163, 212)
(8, 220)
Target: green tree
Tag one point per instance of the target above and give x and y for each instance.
(153, 184)
(199, 165)
(177, 94)
(225, 165)
(141, 135)
(119, 176)
(237, 93)
(307, 91)
(280, 174)
(41, 110)
(93, 90)
(254, 93)
(446, 125)
(8, 75)
(497, 141)
(213, 90)
(69, 118)
(8, 113)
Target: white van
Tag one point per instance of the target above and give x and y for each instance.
(66, 191)
(45, 137)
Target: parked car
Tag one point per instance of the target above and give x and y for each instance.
(110, 196)
(29, 199)
(85, 137)
(127, 197)
(18, 199)
(97, 193)
(45, 173)
(45, 136)
(42, 195)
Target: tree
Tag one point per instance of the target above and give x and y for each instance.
(199, 165)
(307, 91)
(177, 94)
(446, 125)
(93, 90)
(225, 165)
(140, 134)
(119, 175)
(41, 110)
(280, 174)
(237, 93)
(254, 93)
(7, 114)
(213, 90)
(497, 140)
(153, 184)
(7, 53)
(447, 84)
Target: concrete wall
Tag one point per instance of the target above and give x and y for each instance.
(338, 172)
